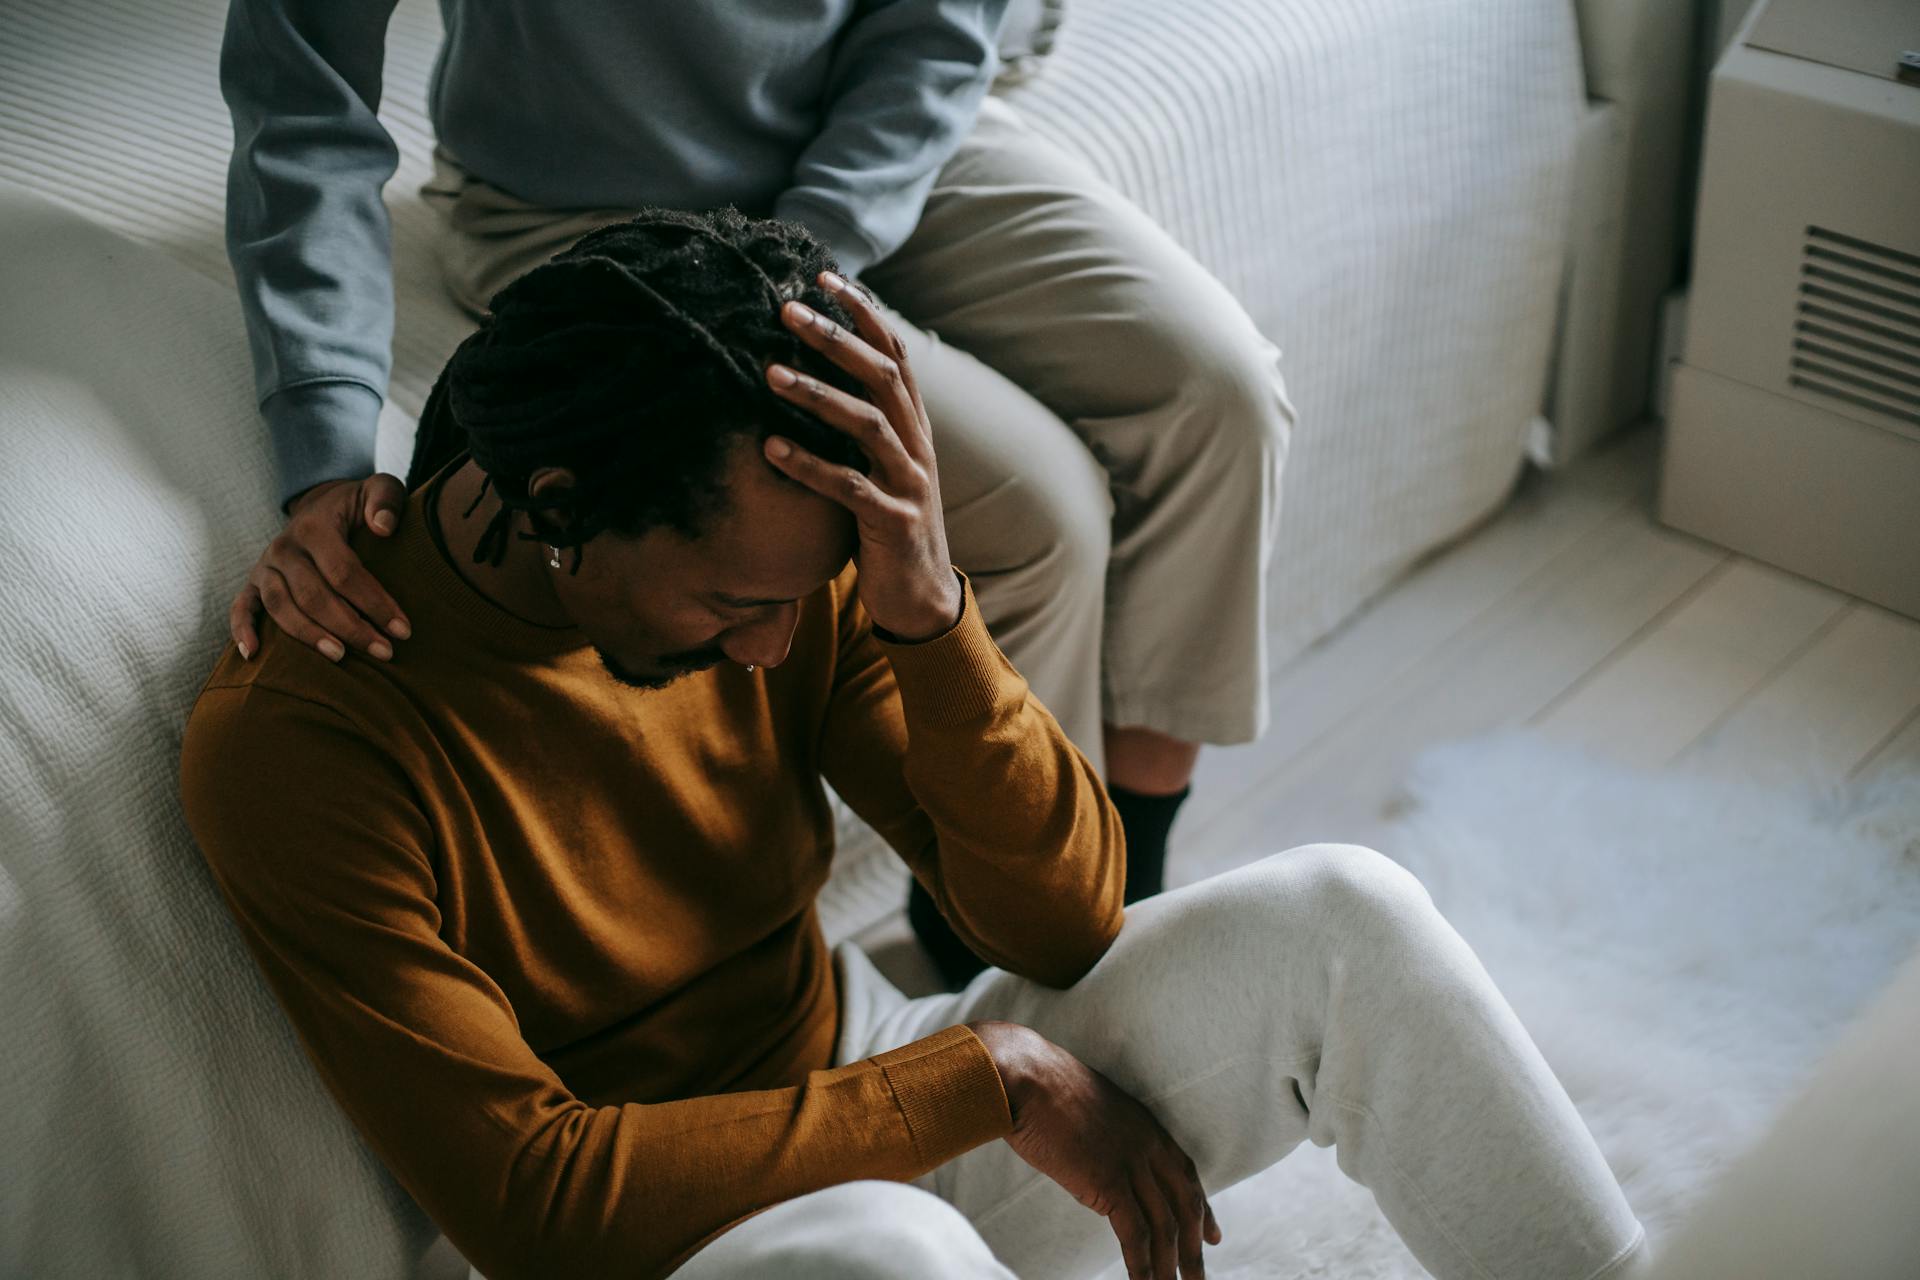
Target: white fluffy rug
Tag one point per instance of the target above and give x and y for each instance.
(1682, 949)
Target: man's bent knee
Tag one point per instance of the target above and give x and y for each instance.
(1359, 893)
(1054, 527)
(1354, 876)
(1252, 411)
(1235, 370)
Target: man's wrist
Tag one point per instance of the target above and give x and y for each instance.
(312, 491)
(321, 431)
(1010, 1045)
(931, 621)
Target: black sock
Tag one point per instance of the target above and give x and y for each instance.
(1146, 819)
(956, 963)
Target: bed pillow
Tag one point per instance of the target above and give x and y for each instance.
(157, 1117)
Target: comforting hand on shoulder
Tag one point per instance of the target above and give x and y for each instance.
(907, 583)
(313, 584)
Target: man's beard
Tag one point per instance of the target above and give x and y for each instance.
(670, 667)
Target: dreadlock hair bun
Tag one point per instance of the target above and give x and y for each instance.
(634, 359)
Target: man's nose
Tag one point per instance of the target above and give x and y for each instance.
(764, 643)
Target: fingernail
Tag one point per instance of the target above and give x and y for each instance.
(802, 313)
(332, 649)
(381, 650)
(781, 376)
(399, 629)
(832, 281)
(383, 521)
(779, 448)
(246, 650)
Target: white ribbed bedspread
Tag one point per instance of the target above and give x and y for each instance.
(1383, 183)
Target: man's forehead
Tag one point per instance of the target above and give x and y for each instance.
(772, 540)
(761, 568)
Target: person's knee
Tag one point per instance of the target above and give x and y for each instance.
(1078, 510)
(1057, 529)
(1248, 418)
(1363, 893)
(1343, 892)
(874, 1230)
(1230, 371)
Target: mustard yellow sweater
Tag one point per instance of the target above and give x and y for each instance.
(551, 941)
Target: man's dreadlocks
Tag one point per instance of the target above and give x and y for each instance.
(635, 360)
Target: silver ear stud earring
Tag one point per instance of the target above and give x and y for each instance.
(553, 556)
(749, 668)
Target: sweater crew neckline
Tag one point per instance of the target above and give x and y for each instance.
(486, 620)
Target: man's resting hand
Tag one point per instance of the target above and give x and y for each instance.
(1106, 1149)
(313, 584)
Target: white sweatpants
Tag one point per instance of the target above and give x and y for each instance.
(1315, 994)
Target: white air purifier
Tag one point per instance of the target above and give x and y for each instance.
(1793, 431)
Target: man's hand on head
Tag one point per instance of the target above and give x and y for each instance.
(907, 583)
(313, 584)
(1106, 1150)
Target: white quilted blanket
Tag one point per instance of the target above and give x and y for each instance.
(156, 1116)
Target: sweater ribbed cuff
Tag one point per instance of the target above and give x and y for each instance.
(321, 431)
(957, 677)
(853, 250)
(949, 1092)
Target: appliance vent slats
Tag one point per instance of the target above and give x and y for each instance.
(1856, 331)
(1881, 251)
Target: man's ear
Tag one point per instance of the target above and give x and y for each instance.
(550, 484)
(550, 488)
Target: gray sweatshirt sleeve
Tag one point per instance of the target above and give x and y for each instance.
(307, 231)
(907, 81)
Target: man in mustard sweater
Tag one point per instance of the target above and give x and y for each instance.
(538, 893)
(1113, 422)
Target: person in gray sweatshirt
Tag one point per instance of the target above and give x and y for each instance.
(1112, 424)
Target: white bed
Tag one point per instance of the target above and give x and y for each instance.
(1384, 183)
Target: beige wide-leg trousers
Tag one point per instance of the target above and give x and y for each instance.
(1315, 995)
(1110, 424)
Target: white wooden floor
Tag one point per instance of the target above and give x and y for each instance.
(1575, 611)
